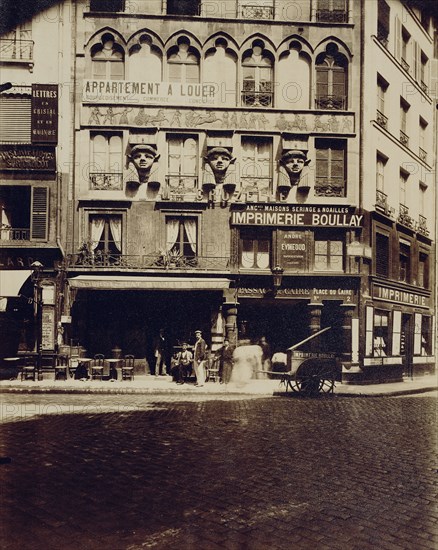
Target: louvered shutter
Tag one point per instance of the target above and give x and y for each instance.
(397, 40)
(322, 84)
(40, 210)
(15, 119)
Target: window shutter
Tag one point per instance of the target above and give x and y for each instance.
(192, 73)
(15, 119)
(40, 209)
(117, 70)
(99, 69)
(397, 39)
(322, 82)
(339, 82)
(175, 72)
(322, 165)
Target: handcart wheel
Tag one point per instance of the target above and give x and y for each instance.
(314, 379)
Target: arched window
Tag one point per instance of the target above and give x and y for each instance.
(108, 59)
(331, 79)
(183, 62)
(145, 60)
(257, 70)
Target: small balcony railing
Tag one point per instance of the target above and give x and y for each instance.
(106, 180)
(424, 87)
(181, 186)
(16, 50)
(14, 234)
(405, 64)
(382, 35)
(332, 16)
(422, 225)
(382, 120)
(257, 12)
(330, 188)
(257, 99)
(403, 216)
(404, 139)
(256, 188)
(157, 261)
(382, 201)
(331, 102)
(422, 154)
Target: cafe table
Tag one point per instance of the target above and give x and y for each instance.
(84, 363)
(113, 363)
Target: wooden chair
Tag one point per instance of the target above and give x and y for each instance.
(97, 367)
(73, 360)
(28, 370)
(212, 369)
(128, 367)
(61, 367)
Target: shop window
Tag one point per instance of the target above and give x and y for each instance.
(381, 334)
(382, 255)
(426, 335)
(108, 59)
(107, 5)
(331, 79)
(257, 70)
(330, 167)
(15, 118)
(329, 253)
(254, 250)
(183, 7)
(105, 237)
(256, 167)
(106, 166)
(404, 262)
(181, 238)
(182, 164)
(183, 63)
(423, 270)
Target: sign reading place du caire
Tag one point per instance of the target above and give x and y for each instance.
(291, 215)
(148, 93)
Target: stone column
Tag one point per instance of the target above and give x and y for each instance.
(314, 324)
(229, 310)
(347, 310)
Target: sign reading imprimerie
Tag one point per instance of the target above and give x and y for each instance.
(148, 93)
(290, 215)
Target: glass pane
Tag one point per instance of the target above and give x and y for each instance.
(247, 253)
(99, 69)
(192, 73)
(190, 152)
(115, 147)
(174, 157)
(263, 254)
(117, 70)
(175, 72)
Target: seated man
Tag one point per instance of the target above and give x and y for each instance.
(185, 358)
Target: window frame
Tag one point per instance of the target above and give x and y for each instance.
(262, 89)
(384, 259)
(256, 236)
(331, 145)
(182, 217)
(333, 239)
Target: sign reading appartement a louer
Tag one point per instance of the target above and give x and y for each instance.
(44, 113)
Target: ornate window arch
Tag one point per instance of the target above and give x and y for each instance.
(108, 59)
(257, 76)
(145, 59)
(331, 79)
(183, 62)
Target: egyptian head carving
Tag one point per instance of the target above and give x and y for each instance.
(219, 160)
(293, 162)
(143, 156)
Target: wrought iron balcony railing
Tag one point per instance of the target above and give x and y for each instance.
(381, 120)
(329, 188)
(106, 180)
(332, 16)
(332, 102)
(422, 226)
(424, 87)
(405, 64)
(404, 138)
(157, 261)
(257, 12)
(422, 154)
(257, 99)
(16, 50)
(181, 186)
(404, 218)
(14, 234)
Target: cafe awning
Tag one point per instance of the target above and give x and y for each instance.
(11, 282)
(108, 282)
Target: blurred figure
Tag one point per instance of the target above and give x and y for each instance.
(225, 354)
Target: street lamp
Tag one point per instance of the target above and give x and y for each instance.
(36, 274)
(277, 276)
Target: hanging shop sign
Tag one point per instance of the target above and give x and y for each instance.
(147, 93)
(44, 113)
(290, 215)
(27, 157)
(398, 296)
(313, 294)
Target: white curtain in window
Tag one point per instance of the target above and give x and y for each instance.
(172, 233)
(97, 225)
(190, 226)
(116, 230)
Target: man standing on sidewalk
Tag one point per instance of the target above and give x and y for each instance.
(161, 349)
(199, 356)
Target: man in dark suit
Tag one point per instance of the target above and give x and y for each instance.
(161, 354)
(225, 355)
(199, 356)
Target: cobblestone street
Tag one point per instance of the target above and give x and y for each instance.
(132, 472)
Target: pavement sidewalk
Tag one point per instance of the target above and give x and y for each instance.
(148, 384)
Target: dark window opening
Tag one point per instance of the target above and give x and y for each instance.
(183, 7)
(330, 167)
(107, 5)
(405, 263)
(382, 255)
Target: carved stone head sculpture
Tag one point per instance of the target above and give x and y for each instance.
(294, 161)
(219, 160)
(143, 156)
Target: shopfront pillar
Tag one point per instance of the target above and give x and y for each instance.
(230, 315)
(315, 310)
(346, 335)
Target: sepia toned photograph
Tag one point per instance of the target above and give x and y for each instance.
(218, 284)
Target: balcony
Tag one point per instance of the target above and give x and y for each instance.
(181, 187)
(8, 233)
(382, 120)
(257, 99)
(256, 188)
(257, 12)
(16, 50)
(86, 260)
(382, 35)
(332, 16)
(405, 64)
(382, 203)
(108, 181)
(404, 139)
(422, 226)
(331, 102)
(422, 154)
(330, 188)
(404, 218)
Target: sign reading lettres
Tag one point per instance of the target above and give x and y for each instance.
(44, 113)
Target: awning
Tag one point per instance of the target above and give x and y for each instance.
(12, 280)
(107, 282)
